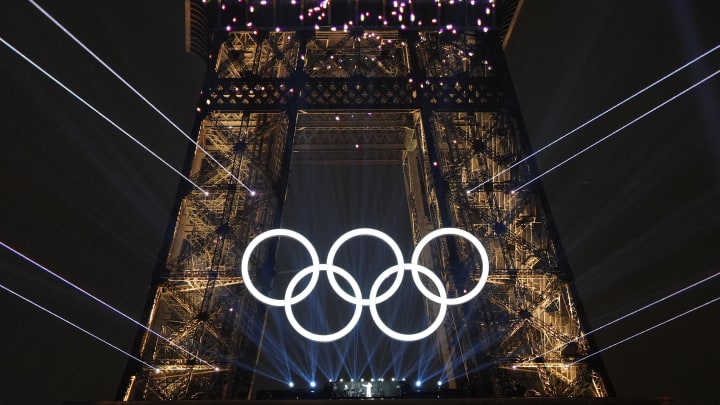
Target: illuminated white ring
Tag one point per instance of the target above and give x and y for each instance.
(315, 268)
(332, 336)
(413, 336)
(366, 232)
(483, 277)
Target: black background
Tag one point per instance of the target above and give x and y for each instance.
(637, 214)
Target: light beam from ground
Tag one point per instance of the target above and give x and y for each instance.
(111, 122)
(594, 118)
(36, 305)
(137, 93)
(101, 302)
(638, 118)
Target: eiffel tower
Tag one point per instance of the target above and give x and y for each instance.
(420, 90)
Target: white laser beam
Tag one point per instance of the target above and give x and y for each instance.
(644, 307)
(137, 93)
(638, 118)
(647, 330)
(101, 302)
(88, 105)
(595, 118)
(36, 305)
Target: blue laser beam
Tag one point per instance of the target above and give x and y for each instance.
(647, 330)
(137, 93)
(595, 118)
(111, 122)
(638, 118)
(36, 305)
(682, 290)
(101, 302)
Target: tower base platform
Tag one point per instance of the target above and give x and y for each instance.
(407, 401)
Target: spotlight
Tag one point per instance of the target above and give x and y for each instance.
(418, 383)
(312, 384)
(291, 384)
(439, 383)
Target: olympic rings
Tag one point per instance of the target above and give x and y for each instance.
(356, 299)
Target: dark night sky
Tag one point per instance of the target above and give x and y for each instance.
(637, 215)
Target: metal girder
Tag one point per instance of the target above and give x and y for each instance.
(528, 310)
(356, 93)
(438, 104)
(368, 54)
(352, 138)
(196, 300)
(245, 54)
(449, 54)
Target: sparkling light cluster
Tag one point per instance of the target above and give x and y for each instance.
(279, 15)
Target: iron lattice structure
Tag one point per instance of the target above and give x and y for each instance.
(443, 108)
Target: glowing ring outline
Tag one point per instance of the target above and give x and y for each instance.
(246, 273)
(413, 336)
(357, 300)
(366, 232)
(483, 256)
(332, 336)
